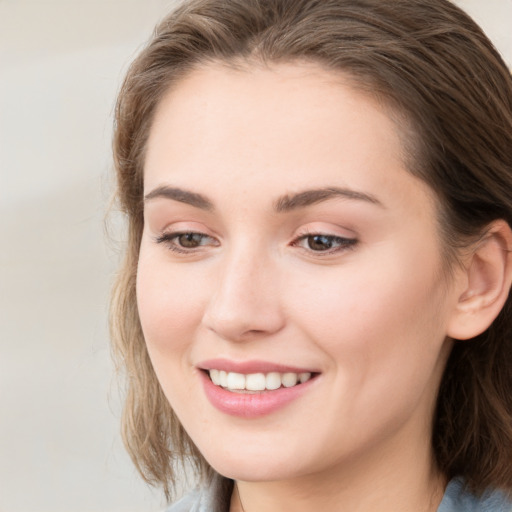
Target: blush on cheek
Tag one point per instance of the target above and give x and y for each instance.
(164, 324)
(170, 309)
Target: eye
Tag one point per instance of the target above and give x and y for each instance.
(190, 240)
(185, 242)
(324, 243)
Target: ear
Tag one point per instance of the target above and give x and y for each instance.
(487, 281)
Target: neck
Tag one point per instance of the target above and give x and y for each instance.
(401, 481)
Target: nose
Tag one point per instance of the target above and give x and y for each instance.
(246, 302)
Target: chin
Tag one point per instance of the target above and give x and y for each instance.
(253, 469)
(253, 472)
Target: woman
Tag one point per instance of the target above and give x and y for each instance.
(313, 308)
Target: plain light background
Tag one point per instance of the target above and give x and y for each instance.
(61, 63)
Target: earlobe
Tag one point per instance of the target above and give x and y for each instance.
(488, 277)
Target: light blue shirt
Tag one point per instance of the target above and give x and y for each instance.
(456, 499)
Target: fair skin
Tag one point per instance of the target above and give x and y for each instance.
(347, 285)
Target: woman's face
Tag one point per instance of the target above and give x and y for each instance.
(284, 235)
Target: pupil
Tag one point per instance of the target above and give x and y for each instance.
(319, 242)
(189, 240)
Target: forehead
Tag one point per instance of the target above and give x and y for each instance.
(278, 94)
(292, 126)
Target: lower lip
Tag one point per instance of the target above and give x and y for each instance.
(251, 405)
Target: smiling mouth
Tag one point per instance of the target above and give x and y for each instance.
(257, 382)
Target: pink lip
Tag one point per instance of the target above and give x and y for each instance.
(254, 366)
(250, 405)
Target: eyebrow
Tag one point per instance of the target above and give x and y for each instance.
(183, 196)
(310, 197)
(283, 204)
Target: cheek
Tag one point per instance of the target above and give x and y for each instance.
(168, 303)
(381, 325)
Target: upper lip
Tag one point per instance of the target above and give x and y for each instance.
(251, 366)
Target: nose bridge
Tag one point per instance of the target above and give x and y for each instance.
(246, 299)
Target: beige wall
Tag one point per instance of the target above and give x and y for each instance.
(60, 66)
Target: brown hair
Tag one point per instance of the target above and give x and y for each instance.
(434, 66)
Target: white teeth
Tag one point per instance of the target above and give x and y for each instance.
(257, 381)
(289, 379)
(214, 375)
(236, 381)
(304, 377)
(273, 380)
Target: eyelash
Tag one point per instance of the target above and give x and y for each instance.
(169, 239)
(343, 244)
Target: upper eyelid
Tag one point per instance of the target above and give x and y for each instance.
(183, 227)
(326, 234)
(351, 239)
(307, 232)
(166, 235)
(325, 231)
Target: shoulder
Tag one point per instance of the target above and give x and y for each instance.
(189, 503)
(213, 496)
(458, 498)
